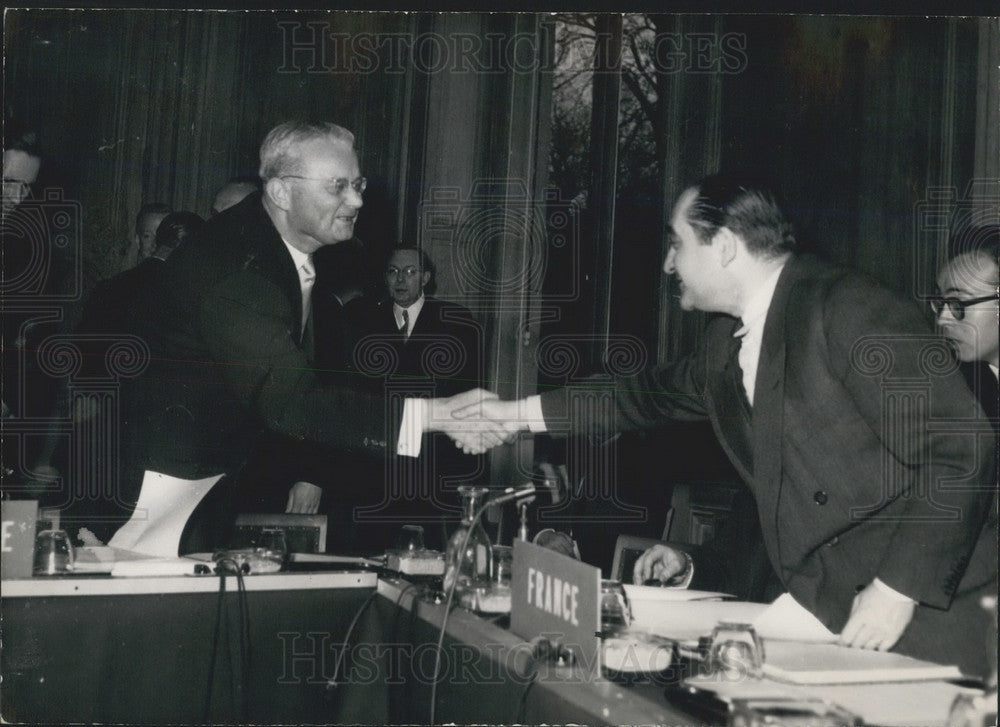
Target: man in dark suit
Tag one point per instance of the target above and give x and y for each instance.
(231, 341)
(822, 388)
(412, 344)
(435, 342)
(112, 306)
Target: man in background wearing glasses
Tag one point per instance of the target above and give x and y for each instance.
(21, 163)
(231, 341)
(37, 284)
(966, 308)
(435, 349)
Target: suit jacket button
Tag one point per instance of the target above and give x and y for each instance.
(833, 541)
(820, 497)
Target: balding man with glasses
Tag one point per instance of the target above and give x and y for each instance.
(232, 342)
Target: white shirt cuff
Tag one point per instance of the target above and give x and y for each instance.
(892, 592)
(411, 428)
(533, 414)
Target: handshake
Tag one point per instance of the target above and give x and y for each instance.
(476, 420)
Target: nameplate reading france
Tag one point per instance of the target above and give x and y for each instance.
(17, 539)
(558, 597)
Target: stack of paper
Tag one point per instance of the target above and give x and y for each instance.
(907, 704)
(800, 663)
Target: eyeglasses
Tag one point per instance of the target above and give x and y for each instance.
(23, 187)
(409, 271)
(336, 187)
(957, 307)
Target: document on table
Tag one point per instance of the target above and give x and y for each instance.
(686, 621)
(657, 593)
(800, 663)
(896, 704)
(786, 619)
(164, 506)
(91, 559)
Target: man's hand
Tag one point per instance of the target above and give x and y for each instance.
(472, 432)
(303, 498)
(877, 619)
(661, 563)
(502, 419)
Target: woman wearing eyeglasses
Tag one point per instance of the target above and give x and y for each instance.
(966, 309)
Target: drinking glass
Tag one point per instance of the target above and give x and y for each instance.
(503, 561)
(54, 553)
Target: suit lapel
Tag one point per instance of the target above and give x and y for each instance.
(273, 261)
(426, 314)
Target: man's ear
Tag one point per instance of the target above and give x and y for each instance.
(277, 191)
(425, 277)
(727, 245)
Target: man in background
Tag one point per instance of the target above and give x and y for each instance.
(966, 309)
(233, 192)
(37, 288)
(21, 164)
(112, 306)
(144, 241)
(413, 344)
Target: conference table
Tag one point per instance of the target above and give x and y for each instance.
(171, 650)
(487, 674)
(144, 650)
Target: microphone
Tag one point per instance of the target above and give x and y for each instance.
(514, 493)
(551, 484)
(553, 480)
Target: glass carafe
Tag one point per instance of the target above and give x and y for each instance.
(469, 567)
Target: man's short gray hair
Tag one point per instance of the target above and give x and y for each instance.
(279, 154)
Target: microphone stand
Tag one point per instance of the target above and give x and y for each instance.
(508, 495)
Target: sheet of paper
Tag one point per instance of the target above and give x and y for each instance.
(164, 506)
(801, 663)
(114, 561)
(183, 566)
(657, 593)
(687, 620)
(787, 619)
(913, 704)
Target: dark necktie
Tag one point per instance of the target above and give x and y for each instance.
(737, 372)
(406, 322)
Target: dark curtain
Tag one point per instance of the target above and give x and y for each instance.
(136, 106)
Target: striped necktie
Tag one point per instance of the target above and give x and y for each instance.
(307, 276)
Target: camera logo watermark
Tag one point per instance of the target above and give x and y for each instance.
(909, 376)
(488, 224)
(942, 213)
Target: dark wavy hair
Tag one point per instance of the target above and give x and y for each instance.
(747, 207)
